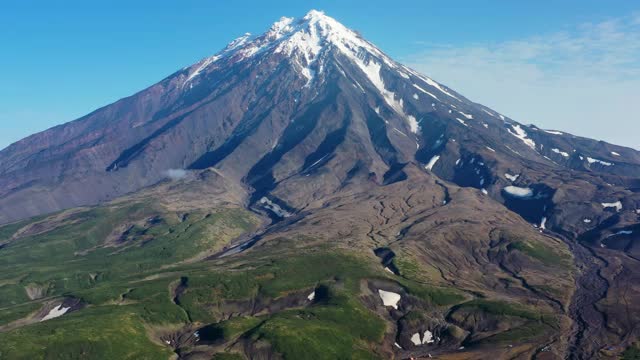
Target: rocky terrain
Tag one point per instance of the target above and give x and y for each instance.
(302, 195)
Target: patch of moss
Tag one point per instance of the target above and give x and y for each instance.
(501, 309)
(412, 279)
(632, 353)
(541, 253)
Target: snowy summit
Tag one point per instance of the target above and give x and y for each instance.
(308, 43)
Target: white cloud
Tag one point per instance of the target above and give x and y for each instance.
(585, 80)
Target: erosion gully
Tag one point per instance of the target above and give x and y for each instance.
(585, 339)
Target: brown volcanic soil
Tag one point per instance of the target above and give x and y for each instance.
(465, 244)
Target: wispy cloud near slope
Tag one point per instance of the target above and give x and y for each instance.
(584, 80)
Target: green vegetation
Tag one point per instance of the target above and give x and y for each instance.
(131, 267)
(541, 253)
(632, 353)
(436, 295)
(75, 257)
(124, 262)
(500, 308)
(82, 255)
(413, 281)
(535, 323)
(235, 327)
(13, 313)
(339, 330)
(105, 332)
(273, 278)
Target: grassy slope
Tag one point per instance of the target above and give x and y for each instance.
(127, 289)
(103, 332)
(102, 277)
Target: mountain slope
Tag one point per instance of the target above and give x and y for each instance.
(172, 270)
(343, 148)
(268, 106)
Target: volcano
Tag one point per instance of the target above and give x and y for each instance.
(493, 237)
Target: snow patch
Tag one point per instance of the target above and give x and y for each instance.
(553, 132)
(430, 82)
(522, 135)
(372, 71)
(587, 221)
(415, 96)
(513, 178)
(462, 122)
(601, 162)
(622, 232)
(437, 86)
(205, 63)
(176, 174)
(432, 162)
(415, 339)
(312, 296)
(426, 92)
(55, 312)
(317, 162)
(488, 112)
(520, 192)
(558, 151)
(202, 65)
(273, 207)
(426, 338)
(389, 298)
(357, 85)
(468, 116)
(617, 205)
(615, 153)
(491, 149)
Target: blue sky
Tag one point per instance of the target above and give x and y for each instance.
(569, 65)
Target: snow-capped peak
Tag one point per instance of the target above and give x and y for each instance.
(308, 42)
(314, 14)
(305, 38)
